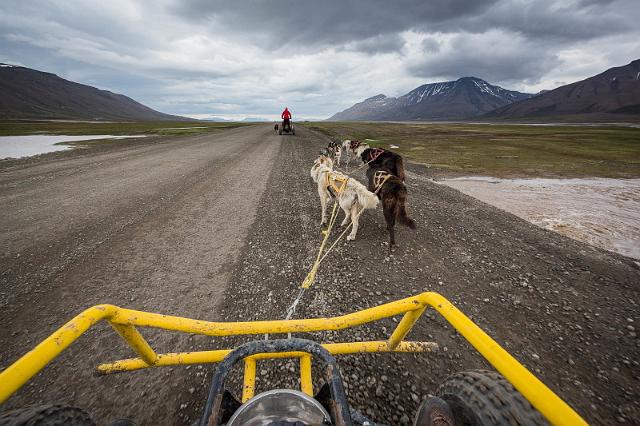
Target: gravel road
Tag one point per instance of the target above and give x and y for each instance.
(155, 226)
(226, 226)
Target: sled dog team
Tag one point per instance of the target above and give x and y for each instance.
(385, 175)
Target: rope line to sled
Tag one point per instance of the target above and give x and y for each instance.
(311, 276)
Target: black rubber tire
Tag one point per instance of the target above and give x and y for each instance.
(46, 415)
(481, 397)
(434, 412)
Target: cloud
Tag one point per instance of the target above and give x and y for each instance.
(305, 24)
(496, 56)
(252, 57)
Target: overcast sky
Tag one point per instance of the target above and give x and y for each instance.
(251, 58)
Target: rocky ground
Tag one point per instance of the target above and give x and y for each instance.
(566, 310)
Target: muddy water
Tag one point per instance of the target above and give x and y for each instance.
(597, 211)
(26, 146)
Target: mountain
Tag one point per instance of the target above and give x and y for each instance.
(463, 98)
(615, 91)
(31, 94)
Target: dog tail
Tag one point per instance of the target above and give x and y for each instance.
(366, 198)
(401, 211)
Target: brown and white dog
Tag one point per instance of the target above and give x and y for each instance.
(334, 150)
(352, 196)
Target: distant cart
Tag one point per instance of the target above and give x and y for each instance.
(286, 128)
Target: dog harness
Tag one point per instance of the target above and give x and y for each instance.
(379, 179)
(335, 182)
(354, 144)
(374, 154)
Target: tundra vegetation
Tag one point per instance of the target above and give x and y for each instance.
(504, 150)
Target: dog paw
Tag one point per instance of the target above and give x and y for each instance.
(351, 237)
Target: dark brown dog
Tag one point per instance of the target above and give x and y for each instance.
(381, 158)
(393, 194)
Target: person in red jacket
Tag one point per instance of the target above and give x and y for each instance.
(286, 116)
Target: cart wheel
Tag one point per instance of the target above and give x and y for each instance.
(481, 397)
(434, 412)
(46, 415)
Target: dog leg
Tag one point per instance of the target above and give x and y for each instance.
(389, 209)
(355, 218)
(323, 203)
(347, 213)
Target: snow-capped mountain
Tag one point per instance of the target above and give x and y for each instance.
(463, 98)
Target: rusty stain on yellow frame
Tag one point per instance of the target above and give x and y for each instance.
(124, 321)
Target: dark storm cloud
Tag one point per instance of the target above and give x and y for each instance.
(555, 21)
(509, 62)
(310, 23)
(377, 44)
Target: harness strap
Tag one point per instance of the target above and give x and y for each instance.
(375, 153)
(336, 182)
(354, 144)
(379, 179)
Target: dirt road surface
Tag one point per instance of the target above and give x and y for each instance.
(155, 226)
(226, 226)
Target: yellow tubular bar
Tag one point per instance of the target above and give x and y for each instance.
(306, 382)
(137, 342)
(125, 321)
(206, 357)
(249, 386)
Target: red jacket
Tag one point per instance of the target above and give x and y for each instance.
(286, 114)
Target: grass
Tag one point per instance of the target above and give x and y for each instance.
(17, 128)
(504, 150)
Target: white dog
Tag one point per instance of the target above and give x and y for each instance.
(337, 154)
(352, 196)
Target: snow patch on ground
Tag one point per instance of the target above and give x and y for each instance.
(598, 211)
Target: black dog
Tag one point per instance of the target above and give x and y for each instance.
(383, 159)
(393, 193)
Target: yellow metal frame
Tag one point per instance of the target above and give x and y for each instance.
(125, 321)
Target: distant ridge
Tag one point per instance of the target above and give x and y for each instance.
(615, 91)
(26, 93)
(462, 98)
